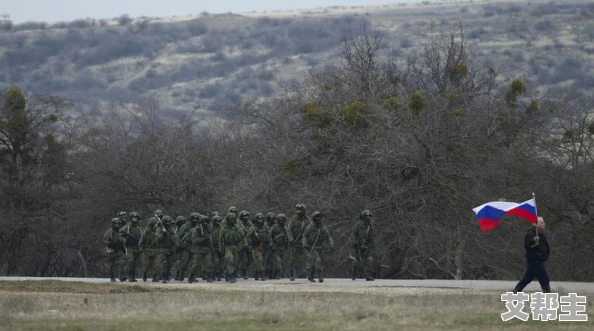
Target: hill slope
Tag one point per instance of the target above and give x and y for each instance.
(208, 60)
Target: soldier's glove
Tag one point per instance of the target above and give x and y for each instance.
(131, 241)
(111, 244)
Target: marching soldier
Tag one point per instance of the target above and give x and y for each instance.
(114, 248)
(166, 242)
(296, 228)
(270, 221)
(229, 245)
(362, 239)
(132, 234)
(201, 250)
(245, 254)
(258, 236)
(316, 239)
(280, 245)
(148, 245)
(184, 243)
(217, 257)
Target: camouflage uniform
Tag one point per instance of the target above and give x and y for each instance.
(231, 210)
(184, 243)
(316, 239)
(217, 257)
(245, 254)
(270, 221)
(123, 216)
(296, 228)
(149, 247)
(362, 238)
(201, 250)
(180, 221)
(114, 248)
(166, 244)
(280, 244)
(229, 245)
(258, 236)
(132, 233)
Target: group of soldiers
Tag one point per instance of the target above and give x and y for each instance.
(215, 247)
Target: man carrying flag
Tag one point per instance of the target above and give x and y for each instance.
(535, 242)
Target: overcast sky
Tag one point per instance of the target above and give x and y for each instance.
(68, 10)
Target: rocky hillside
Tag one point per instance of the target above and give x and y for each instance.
(205, 61)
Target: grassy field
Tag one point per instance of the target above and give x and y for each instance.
(55, 305)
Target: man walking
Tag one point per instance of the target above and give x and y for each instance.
(537, 252)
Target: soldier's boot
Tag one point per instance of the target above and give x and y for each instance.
(546, 289)
(321, 276)
(155, 279)
(244, 273)
(132, 276)
(232, 279)
(310, 275)
(181, 276)
(369, 277)
(164, 277)
(191, 278)
(263, 276)
(144, 276)
(210, 277)
(277, 274)
(354, 273)
(113, 280)
(218, 276)
(177, 274)
(292, 272)
(123, 278)
(256, 276)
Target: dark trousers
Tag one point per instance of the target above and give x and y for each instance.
(534, 269)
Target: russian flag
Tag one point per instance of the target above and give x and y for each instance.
(488, 214)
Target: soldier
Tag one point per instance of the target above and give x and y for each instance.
(123, 216)
(166, 243)
(362, 239)
(270, 221)
(280, 244)
(184, 244)
(114, 248)
(229, 245)
(232, 210)
(258, 236)
(148, 244)
(316, 239)
(201, 250)
(132, 233)
(296, 228)
(245, 255)
(217, 257)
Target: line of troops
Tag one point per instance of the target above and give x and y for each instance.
(215, 247)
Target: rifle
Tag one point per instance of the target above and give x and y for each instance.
(160, 223)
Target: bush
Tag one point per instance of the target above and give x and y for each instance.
(80, 24)
(124, 20)
(30, 26)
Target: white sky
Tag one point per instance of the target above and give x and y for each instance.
(68, 10)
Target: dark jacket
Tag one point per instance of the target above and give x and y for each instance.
(539, 252)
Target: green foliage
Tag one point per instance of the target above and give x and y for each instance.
(393, 103)
(416, 103)
(396, 79)
(517, 89)
(309, 110)
(15, 100)
(293, 168)
(53, 117)
(533, 107)
(451, 97)
(569, 135)
(591, 128)
(353, 114)
(455, 112)
(458, 71)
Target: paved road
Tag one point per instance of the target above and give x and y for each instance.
(481, 285)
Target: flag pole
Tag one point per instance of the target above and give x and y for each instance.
(536, 212)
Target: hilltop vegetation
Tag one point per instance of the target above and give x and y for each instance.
(206, 61)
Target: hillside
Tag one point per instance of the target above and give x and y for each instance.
(206, 61)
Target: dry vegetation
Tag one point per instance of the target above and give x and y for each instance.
(69, 306)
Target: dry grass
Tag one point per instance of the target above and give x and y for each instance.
(78, 306)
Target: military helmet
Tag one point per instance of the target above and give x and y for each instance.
(259, 216)
(134, 215)
(180, 220)
(122, 215)
(366, 213)
(204, 219)
(152, 221)
(166, 219)
(270, 215)
(115, 221)
(215, 213)
(194, 216)
(317, 214)
(158, 213)
(232, 209)
(216, 218)
(244, 213)
(281, 217)
(231, 216)
(301, 207)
